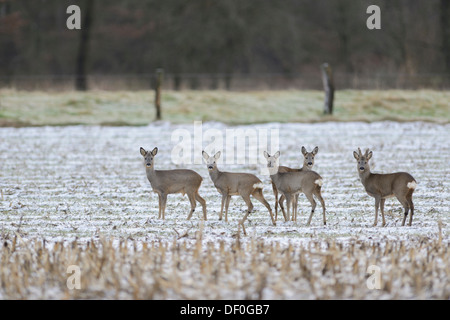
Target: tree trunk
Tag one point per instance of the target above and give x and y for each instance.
(445, 27)
(8, 52)
(83, 49)
(328, 86)
(177, 82)
(159, 79)
(228, 81)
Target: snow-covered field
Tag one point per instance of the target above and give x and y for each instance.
(87, 182)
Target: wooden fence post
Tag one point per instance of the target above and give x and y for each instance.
(328, 86)
(158, 84)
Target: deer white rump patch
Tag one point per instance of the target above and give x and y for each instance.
(258, 185)
(412, 185)
(319, 182)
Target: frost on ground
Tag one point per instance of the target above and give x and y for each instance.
(87, 183)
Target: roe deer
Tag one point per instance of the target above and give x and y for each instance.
(292, 183)
(382, 186)
(308, 163)
(166, 182)
(232, 183)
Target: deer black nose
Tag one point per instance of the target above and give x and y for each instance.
(210, 167)
(361, 168)
(148, 164)
(309, 163)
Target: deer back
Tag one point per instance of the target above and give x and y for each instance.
(390, 184)
(174, 181)
(283, 169)
(234, 182)
(292, 182)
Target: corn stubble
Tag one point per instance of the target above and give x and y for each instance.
(194, 269)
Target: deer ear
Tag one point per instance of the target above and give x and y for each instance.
(276, 155)
(315, 151)
(356, 155)
(143, 152)
(304, 151)
(205, 155)
(154, 151)
(369, 154)
(266, 155)
(217, 155)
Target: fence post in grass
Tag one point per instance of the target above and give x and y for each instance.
(158, 84)
(328, 86)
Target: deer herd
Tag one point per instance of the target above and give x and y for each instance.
(289, 182)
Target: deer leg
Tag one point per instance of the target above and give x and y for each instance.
(382, 210)
(293, 217)
(259, 196)
(247, 200)
(281, 200)
(408, 205)
(405, 215)
(290, 208)
(377, 205)
(242, 222)
(163, 204)
(296, 205)
(191, 197)
(405, 205)
(288, 204)
(160, 206)
(227, 203)
(322, 202)
(411, 207)
(221, 207)
(313, 206)
(275, 192)
(203, 203)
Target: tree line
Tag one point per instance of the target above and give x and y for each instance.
(223, 36)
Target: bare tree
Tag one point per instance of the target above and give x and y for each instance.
(445, 29)
(83, 48)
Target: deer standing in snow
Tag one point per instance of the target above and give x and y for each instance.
(166, 182)
(308, 163)
(381, 186)
(234, 183)
(292, 183)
